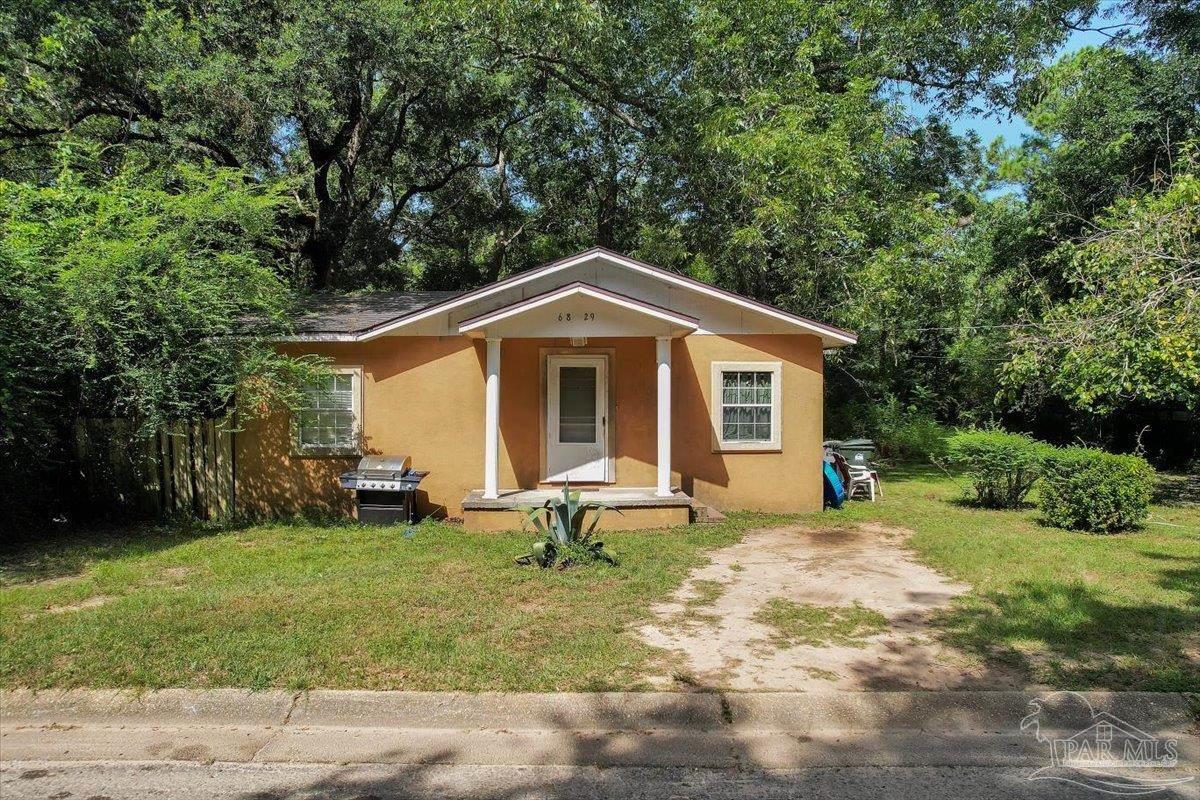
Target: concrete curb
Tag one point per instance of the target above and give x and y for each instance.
(149, 780)
(519, 711)
(768, 731)
(164, 706)
(963, 712)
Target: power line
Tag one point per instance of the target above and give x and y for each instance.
(1007, 326)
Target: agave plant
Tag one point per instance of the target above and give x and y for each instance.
(564, 540)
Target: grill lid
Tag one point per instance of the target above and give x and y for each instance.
(377, 464)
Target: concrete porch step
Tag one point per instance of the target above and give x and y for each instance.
(705, 515)
(615, 496)
(634, 508)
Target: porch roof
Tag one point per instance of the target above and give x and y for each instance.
(628, 316)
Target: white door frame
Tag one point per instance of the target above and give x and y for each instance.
(597, 469)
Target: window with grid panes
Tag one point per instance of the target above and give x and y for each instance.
(328, 423)
(746, 405)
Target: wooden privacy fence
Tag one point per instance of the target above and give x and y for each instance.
(184, 469)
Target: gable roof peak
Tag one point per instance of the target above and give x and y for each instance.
(830, 335)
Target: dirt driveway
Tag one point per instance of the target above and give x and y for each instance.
(797, 609)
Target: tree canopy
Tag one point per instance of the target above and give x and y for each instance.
(170, 166)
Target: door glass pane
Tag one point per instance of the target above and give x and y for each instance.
(577, 404)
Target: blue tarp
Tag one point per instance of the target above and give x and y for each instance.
(835, 493)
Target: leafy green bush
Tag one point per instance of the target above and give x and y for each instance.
(1091, 490)
(902, 432)
(122, 284)
(1002, 467)
(915, 438)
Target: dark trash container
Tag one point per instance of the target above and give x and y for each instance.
(858, 452)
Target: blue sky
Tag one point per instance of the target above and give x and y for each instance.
(989, 126)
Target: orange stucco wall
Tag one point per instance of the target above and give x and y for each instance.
(424, 396)
(788, 480)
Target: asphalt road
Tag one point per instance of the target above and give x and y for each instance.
(225, 781)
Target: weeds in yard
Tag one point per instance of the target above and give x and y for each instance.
(1066, 610)
(345, 606)
(819, 626)
(821, 674)
(705, 593)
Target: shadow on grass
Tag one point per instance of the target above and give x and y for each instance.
(1072, 636)
(909, 470)
(968, 501)
(65, 553)
(1184, 579)
(1175, 489)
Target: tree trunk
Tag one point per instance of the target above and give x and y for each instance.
(322, 250)
(500, 253)
(606, 213)
(606, 216)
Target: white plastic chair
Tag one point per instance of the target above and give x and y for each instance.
(863, 479)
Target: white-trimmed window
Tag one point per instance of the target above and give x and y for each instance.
(746, 405)
(329, 422)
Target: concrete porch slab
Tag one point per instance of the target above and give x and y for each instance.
(635, 508)
(615, 496)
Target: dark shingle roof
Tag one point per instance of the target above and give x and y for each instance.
(330, 313)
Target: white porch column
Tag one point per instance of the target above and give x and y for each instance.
(491, 425)
(663, 351)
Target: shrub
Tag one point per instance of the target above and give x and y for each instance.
(918, 438)
(1091, 490)
(1002, 467)
(904, 433)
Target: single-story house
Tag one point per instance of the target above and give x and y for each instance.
(644, 387)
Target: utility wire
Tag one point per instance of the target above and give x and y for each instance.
(989, 327)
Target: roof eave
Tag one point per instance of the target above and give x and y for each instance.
(683, 323)
(831, 336)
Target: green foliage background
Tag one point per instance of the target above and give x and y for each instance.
(171, 166)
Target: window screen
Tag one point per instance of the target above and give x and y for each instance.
(746, 406)
(577, 405)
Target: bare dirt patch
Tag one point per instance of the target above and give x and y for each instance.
(92, 602)
(717, 639)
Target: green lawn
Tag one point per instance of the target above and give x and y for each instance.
(1070, 610)
(342, 606)
(334, 606)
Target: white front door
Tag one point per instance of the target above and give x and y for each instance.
(577, 418)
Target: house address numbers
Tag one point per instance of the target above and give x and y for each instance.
(586, 316)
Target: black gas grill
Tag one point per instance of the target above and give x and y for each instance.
(385, 489)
